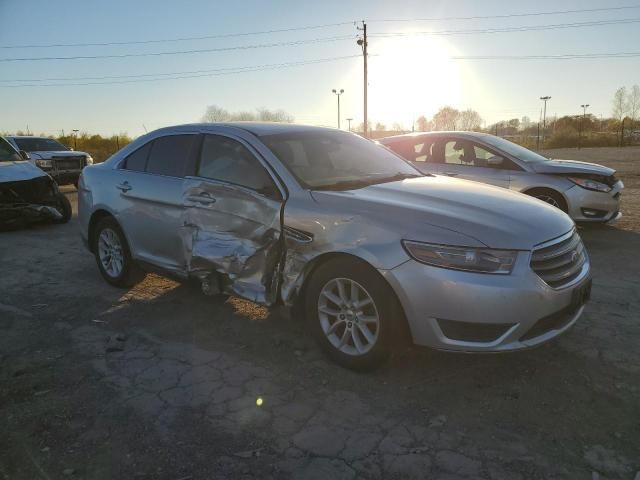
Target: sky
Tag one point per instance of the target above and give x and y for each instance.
(411, 72)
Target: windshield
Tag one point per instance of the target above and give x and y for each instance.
(514, 149)
(35, 144)
(337, 160)
(7, 152)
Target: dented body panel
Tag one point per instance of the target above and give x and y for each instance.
(264, 245)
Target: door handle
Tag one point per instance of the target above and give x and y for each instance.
(203, 198)
(124, 186)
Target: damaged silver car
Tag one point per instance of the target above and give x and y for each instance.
(361, 244)
(27, 194)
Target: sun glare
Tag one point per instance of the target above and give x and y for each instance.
(411, 76)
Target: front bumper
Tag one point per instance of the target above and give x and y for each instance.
(494, 313)
(594, 207)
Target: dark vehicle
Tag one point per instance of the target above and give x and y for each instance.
(27, 194)
(58, 160)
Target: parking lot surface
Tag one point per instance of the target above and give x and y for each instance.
(162, 382)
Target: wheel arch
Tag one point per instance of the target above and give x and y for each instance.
(298, 295)
(532, 191)
(96, 216)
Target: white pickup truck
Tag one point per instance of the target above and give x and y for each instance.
(63, 164)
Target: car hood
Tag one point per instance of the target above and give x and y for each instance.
(493, 216)
(17, 171)
(572, 166)
(47, 155)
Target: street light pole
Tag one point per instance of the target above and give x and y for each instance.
(338, 93)
(349, 120)
(544, 117)
(75, 138)
(584, 117)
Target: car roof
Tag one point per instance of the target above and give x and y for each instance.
(29, 136)
(256, 128)
(449, 133)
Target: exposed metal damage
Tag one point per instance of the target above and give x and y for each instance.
(234, 248)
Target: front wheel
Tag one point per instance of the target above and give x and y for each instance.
(352, 311)
(551, 197)
(113, 255)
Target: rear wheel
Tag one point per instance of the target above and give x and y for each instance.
(64, 208)
(113, 255)
(351, 312)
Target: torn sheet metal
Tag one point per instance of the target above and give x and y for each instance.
(235, 233)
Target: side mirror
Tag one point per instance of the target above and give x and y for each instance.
(495, 161)
(25, 155)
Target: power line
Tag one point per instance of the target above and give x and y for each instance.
(179, 39)
(510, 29)
(180, 76)
(183, 52)
(510, 15)
(312, 27)
(569, 56)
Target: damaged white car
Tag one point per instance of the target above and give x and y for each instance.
(361, 244)
(27, 194)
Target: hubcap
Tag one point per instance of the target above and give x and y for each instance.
(549, 200)
(348, 316)
(110, 252)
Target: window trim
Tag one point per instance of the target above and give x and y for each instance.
(278, 183)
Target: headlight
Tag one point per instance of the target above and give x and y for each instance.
(590, 184)
(481, 260)
(89, 160)
(43, 163)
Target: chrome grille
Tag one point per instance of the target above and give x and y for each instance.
(561, 262)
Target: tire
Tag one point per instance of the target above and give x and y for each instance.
(551, 197)
(64, 207)
(110, 243)
(338, 327)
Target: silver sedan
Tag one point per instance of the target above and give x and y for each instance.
(586, 191)
(361, 245)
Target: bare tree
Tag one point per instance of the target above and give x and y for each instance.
(216, 114)
(422, 123)
(266, 115)
(620, 104)
(380, 127)
(446, 119)
(634, 103)
(469, 120)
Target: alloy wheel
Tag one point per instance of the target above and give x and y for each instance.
(348, 316)
(548, 199)
(110, 252)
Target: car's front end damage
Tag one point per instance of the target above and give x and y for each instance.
(27, 195)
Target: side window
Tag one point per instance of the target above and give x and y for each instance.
(137, 160)
(229, 161)
(488, 159)
(169, 155)
(459, 152)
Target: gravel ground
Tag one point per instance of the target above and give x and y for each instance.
(161, 382)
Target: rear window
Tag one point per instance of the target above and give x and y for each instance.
(37, 144)
(169, 155)
(137, 161)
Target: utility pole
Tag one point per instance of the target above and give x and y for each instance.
(338, 93)
(363, 43)
(544, 116)
(584, 117)
(75, 138)
(349, 120)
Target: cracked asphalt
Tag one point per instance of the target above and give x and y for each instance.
(161, 382)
